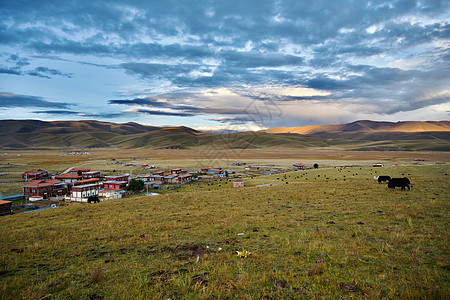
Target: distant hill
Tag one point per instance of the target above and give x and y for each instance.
(368, 126)
(26, 134)
(409, 135)
(360, 135)
(19, 134)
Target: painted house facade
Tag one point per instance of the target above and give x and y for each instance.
(69, 178)
(215, 171)
(45, 188)
(121, 177)
(35, 174)
(157, 178)
(91, 174)
(5, 207)
(144, 178)
(211, 170)
(252, 168)
(80, 193)
(79, 171)
(299, 166)
(87, 181)
(238, 183)
(176, 171)
(115, 185)
(183, 178)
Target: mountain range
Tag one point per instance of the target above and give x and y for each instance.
(359, 135)
(367, 126)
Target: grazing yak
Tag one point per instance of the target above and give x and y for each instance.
(383, 178)
(93, 199)
(399, 182)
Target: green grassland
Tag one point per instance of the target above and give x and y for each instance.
(325, 233)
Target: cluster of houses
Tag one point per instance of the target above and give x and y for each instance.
(75, 185)
(78, 184)
(177, 176)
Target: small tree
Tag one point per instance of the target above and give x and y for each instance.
(135, 185)
(316, 166)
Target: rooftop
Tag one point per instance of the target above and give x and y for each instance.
(117, 176)
(34, 171)
(68, 176)
(42, 183)
(84, 186)
(80, 170)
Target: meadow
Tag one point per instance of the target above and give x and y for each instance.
(332, 232)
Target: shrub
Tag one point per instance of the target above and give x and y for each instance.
(136, 185)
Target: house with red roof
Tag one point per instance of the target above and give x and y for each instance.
(69, 178)
(81, 193)
(115, 185)
(86, 181)
(182, 178)
(238, 183)
(35, 174)
(79, 171)
(176, 171)
(299, 166)
(251, 168)
(45, 188)
(91, 174)
(121, 177)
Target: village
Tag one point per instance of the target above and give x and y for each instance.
(83, 185)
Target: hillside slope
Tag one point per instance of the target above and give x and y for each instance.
(25, 134)
(368, 126)
(360, 135)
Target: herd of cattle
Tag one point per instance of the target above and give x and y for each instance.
(402, 182)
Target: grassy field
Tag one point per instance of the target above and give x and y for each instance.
(327, 233)
(13, 163)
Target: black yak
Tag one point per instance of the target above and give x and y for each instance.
(399, 182)
(93, 199)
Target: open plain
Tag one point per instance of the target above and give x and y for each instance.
(327, 232)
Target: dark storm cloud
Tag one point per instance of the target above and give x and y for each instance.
(255, 59)
(20, 62)
(240, 120)
(56, 112)
(173, 103)
(45, 72)
(83, 115)
(10, 71)
(8, 100)
(163, 113)
(42, 72)
(154, 102)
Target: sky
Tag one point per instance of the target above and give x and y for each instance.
(225, 65)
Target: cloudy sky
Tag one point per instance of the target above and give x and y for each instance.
(238, 65)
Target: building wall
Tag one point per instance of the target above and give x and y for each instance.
(5, 209)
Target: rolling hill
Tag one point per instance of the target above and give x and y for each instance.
(368, 126)
(26, 134)
(360, 135)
